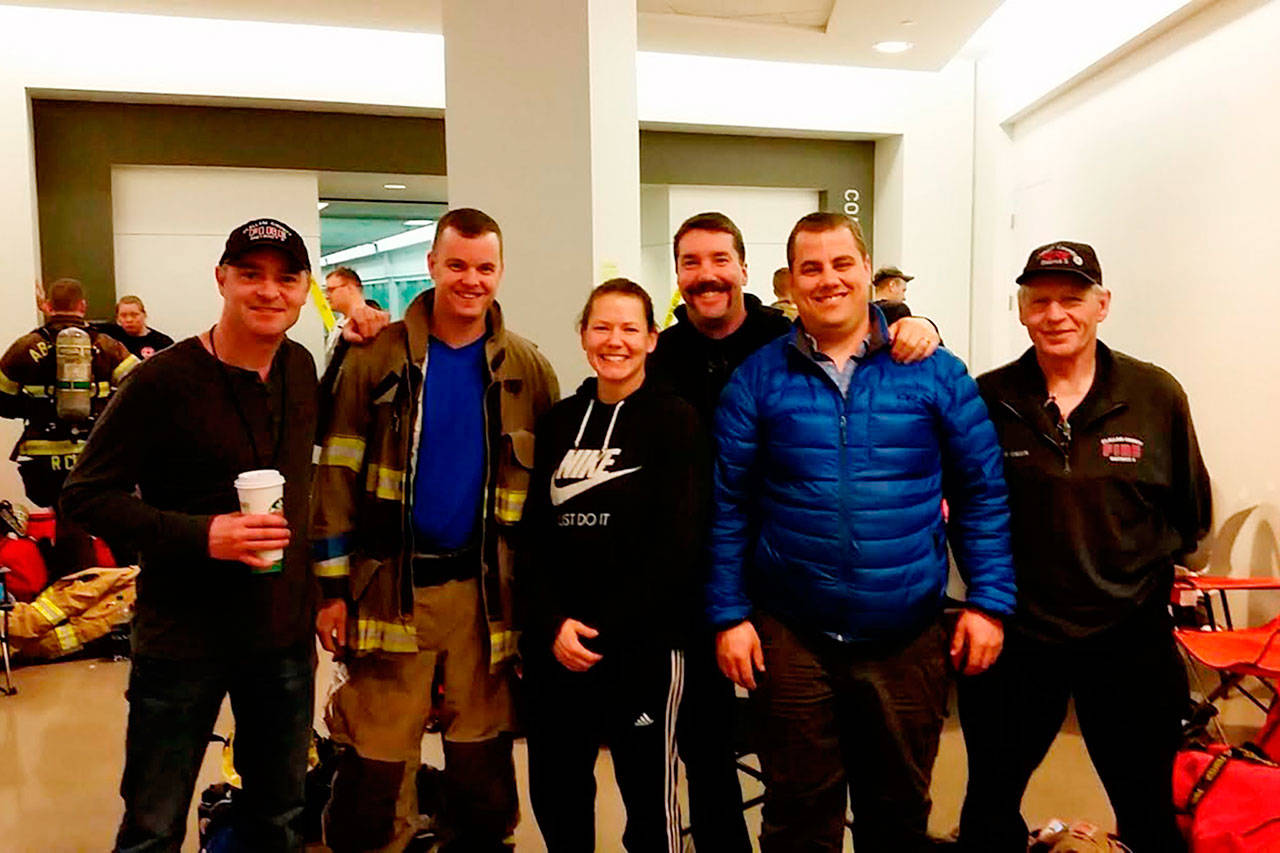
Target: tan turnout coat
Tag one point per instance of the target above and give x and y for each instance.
(360, 509)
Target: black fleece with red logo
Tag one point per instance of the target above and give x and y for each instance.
(1104, 505)
(615, 519)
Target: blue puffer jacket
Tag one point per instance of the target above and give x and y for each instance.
(829, 510)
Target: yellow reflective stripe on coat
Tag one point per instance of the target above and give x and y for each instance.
(343, 451)
(503, 645)
(385, 483)
(67, 639)
(104, 389)
(42, 447)
(509, 504)
(8, 386)
(373, 635)
(123, 368)
(36, 390)
(335, 567)
(48, 611)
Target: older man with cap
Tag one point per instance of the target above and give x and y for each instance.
(214, 617)
(1107, 491)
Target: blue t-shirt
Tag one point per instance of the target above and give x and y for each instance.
(449, 477)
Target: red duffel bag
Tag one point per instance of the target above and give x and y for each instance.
(27, 575)
(1228, 800)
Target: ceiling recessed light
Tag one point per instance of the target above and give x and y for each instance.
(393, 186)
(416, 222)
(893, 46)
(321, 205)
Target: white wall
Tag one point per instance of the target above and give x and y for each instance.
(1165, 162)
(171, 223)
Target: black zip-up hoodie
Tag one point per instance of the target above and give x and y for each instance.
(697, 367)
(1100, 511)
(615, 519)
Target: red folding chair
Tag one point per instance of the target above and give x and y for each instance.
(1233, 653)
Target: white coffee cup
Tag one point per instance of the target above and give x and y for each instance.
(262, 493)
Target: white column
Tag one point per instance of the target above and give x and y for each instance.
(19, 260)
(541, 129)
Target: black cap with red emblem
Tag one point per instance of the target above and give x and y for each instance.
(1066, 257)
(270, 233)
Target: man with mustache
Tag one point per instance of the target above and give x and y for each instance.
(829, 559)
(717, 328)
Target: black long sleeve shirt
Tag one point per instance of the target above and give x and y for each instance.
(161, 463)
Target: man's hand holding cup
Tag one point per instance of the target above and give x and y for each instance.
(258, 534)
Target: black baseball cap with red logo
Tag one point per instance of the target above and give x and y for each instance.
(1077, 259)
(266, 233)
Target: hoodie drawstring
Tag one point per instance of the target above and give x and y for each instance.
(613, 420)
(587, 416)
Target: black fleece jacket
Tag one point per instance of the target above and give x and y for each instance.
(1100, 511)
(615, 519)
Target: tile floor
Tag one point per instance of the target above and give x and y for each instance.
(62, 737)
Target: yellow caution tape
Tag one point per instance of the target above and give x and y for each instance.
(322, 305)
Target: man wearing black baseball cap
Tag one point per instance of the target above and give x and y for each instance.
(214, 617)
(266, 233)
(1107, 490)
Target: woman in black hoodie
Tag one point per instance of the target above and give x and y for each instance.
(616, 513)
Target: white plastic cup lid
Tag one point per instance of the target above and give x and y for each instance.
(261, 479)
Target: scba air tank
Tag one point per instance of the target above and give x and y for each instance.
(74, 393)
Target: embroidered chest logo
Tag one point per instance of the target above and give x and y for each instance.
(584, 469)
(1121, 448)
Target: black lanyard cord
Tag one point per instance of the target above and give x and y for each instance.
(244, 420)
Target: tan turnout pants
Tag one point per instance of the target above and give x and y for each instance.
(382, 709)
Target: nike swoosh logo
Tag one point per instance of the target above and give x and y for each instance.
(560, 494)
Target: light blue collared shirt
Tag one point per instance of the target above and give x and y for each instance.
(843, 377)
